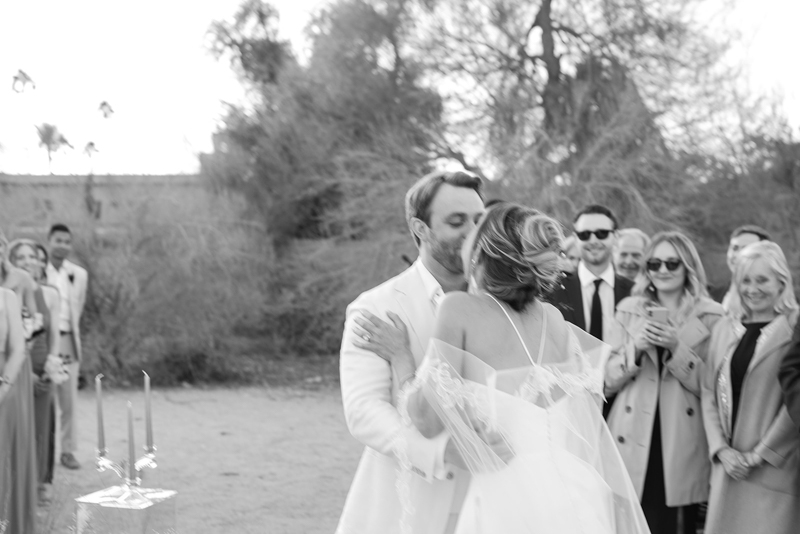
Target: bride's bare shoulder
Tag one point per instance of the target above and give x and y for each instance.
(459, 302)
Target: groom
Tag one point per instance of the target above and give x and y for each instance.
(441, 209)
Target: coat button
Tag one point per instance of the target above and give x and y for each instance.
(628, 409)
(691, 365)
(620, 439)
(450, 476)
(689, 412)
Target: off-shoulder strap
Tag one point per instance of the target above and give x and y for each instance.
(524, 346)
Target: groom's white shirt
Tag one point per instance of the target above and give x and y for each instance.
(369, 395)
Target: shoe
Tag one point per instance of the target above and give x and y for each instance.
(45, 494)
(69, 461)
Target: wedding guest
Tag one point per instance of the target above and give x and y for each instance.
(21, 283)
(629, 252)
(25, 254)
(753, 444)
(17, 449)
(571, 254)
(790, 377)
(740, 238)
(589, 297)
(70, 280)
(441, 210)
(655, 369)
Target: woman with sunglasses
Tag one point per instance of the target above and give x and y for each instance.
(658, 352)
(753, 443)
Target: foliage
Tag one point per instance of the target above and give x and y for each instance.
(564, 103)
(170, 296)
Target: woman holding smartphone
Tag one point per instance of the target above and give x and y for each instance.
(656, 366)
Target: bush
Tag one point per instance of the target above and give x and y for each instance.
(169, 292)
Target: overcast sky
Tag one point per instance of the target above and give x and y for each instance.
(149, 61)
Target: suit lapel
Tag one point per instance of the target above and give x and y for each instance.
(773, 337)
(410, 295)
(622, 289)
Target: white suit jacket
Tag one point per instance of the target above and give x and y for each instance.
(369, 395)
(78, 280)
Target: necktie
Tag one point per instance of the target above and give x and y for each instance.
(596, 320)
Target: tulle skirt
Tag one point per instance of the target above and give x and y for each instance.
(543, 493)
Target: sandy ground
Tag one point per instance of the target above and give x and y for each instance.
(249, 460)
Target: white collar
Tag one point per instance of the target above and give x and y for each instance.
(429, 282)
(587, 278)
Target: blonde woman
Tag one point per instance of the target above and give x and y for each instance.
(753, 444)
(31, 257)
(657, 361)
(20, 283)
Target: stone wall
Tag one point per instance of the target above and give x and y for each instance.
(106, 204)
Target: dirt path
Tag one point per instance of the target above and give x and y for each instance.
(251, 460)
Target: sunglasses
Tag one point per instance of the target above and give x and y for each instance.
(587, 234)
(655, 264)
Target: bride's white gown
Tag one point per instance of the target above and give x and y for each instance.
(566, 475)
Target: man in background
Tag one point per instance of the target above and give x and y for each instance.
(70, 280)
(740, 238)
(629, 252)
(589, 297)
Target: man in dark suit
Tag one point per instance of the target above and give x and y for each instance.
(588, 298)
(740, 238)
(789, 376)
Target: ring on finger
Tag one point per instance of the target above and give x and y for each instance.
(366, 337)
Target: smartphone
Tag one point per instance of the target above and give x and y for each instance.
(658, 314)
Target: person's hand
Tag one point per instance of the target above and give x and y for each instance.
(389, 341)
(734, 463)
(41, 385)
(753, 459)
(641, 344)
(661, 335)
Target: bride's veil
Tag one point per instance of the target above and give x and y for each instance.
(568, 388)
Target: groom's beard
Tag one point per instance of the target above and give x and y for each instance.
(448, 254)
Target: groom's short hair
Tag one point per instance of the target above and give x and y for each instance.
(420, 197)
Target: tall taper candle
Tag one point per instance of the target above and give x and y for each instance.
(101, 435)
(131, 451)
(148, 415)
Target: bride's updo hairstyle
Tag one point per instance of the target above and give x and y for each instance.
(519, 249)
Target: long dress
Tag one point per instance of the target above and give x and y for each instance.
(17, 455)
(566, 475)
(43, 400)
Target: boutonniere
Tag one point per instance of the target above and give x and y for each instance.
(71, 277)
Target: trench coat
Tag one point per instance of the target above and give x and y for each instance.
(686, 465)
(768, 500)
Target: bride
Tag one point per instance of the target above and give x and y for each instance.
(518, 391)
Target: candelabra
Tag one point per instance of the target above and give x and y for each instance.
(127, 508)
